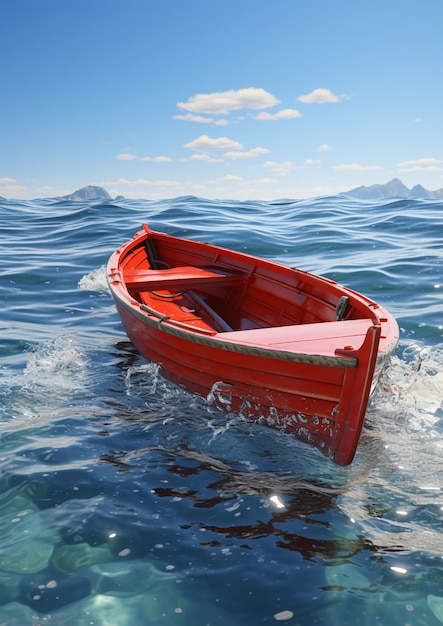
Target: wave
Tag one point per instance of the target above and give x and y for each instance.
(116, 475)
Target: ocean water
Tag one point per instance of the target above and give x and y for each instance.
(126, 501)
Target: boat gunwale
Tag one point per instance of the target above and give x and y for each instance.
(376, 315)
(163, 323)
(142, 236)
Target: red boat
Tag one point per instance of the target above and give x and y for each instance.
(294, 350)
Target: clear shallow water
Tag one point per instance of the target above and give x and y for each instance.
(126, 501)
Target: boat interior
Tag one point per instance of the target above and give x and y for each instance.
(211, 290)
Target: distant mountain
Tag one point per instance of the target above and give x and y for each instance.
(91, 192)
(393, 189)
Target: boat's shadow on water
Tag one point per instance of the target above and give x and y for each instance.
(250, 459)
(219, 458)
(157, 479)
(230, 485)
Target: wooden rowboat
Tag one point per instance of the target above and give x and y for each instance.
(294, 350)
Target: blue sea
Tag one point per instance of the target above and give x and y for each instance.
(126, 501)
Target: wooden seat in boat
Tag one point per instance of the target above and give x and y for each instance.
(178, 278)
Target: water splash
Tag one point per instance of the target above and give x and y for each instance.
(95, 280)
(58, 365)
(56, 371)
(412, 388)
(181, 488)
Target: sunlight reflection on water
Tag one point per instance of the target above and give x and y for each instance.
(126, 501)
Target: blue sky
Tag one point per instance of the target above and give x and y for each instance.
(238, 99)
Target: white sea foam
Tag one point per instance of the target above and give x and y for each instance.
(55, 372)
(406, 423)
(95, 280)
(147, 373)
(413, 385)
(57, 365)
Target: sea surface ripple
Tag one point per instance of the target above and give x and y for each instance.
(126, 501)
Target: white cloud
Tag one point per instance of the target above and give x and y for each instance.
(320, 96)
(209, 144)
(125, 156)
(230, 177)
(126, 182)
(132, 157)
(284, 114)
(421, 165)
(248, 154)
(324, 148)
(265, 181)
(157, 159)
(201, 119)
(206, 157)
(285, 167)
(141, 182)
(356, 167)
(11, 189)
(222, 102)
(280, 169)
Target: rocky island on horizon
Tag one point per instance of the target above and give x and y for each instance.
(395, 188)
(90, 192)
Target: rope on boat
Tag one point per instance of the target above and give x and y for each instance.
(218, 343)
(164, 323)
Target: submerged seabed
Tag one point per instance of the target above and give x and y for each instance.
(126, 501)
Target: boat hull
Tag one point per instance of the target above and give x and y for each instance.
(312, 380)
(322, 404)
